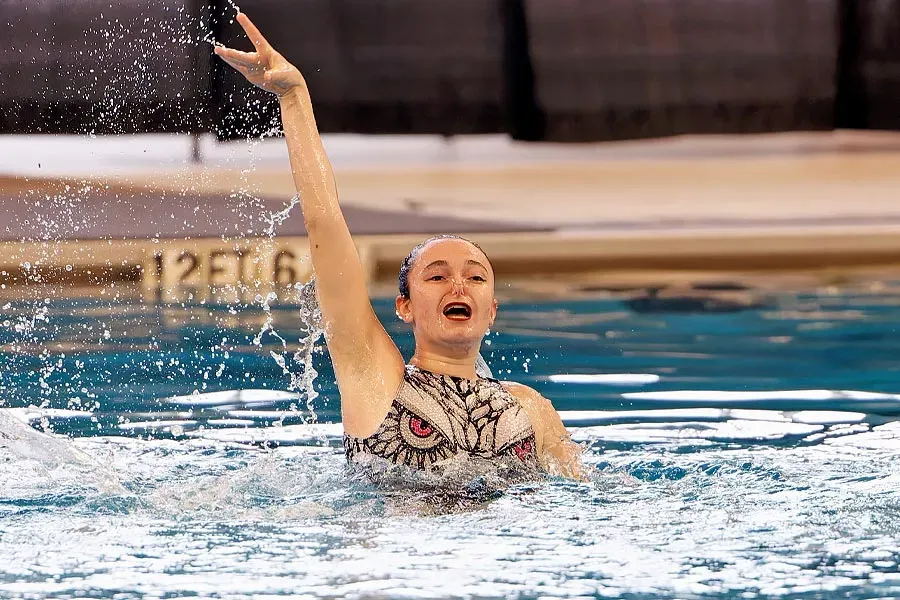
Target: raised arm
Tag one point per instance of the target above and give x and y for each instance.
(367, 363)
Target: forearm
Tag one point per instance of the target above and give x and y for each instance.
(310, 167)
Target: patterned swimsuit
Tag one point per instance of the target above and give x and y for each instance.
(436, 417)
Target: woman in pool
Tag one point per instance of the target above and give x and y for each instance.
(437, 407)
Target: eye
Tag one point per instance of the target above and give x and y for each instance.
(436, 278)
(478, 278)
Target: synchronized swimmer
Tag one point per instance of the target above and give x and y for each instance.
(437, 407)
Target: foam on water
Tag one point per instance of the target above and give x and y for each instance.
(215, 519)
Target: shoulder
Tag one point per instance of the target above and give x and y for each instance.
(550, 432)
(558, 454)
(533, 405)
(544, 418)
(528, 397)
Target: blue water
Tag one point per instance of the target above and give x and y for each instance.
(743, 444)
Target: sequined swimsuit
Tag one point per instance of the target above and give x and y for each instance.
(435, 417)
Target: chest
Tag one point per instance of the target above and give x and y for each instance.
(435, 418)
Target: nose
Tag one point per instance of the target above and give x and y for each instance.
(458, 286)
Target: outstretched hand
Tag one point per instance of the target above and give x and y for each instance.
(265, 68)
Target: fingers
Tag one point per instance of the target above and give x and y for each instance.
(241, 68)
(232, 56)
(259, 42)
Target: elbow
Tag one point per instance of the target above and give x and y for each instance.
(312, 223)
(322, 222)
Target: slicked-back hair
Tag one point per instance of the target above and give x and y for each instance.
(408, 262)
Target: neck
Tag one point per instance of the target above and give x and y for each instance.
(457, 367)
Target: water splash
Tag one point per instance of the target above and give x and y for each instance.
(312, 328)
(51, 452)
(269, 324)
(278, 218)
(313, 325)
(27, 325)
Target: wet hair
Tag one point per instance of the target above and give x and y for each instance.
(408, 262)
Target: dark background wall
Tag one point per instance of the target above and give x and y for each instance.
(378, 66)
(868, 83)
(621, 69)
(82, 66)
(554, 70)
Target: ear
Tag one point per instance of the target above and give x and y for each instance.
(404, 311)
(494, 306)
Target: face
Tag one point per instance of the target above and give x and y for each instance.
(451, 296)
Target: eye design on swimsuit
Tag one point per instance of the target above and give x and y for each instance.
(524, 450)
(419, 433)
(404, 438)
(420, 427)
(435, 417)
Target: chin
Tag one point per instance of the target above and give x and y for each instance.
(461, 338)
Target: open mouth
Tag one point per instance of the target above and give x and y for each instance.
(458, 311)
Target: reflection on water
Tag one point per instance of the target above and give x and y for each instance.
(739, 453)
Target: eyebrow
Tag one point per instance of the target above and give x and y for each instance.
(444, 263)
(437, 263)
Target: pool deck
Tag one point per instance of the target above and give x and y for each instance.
(619, 211)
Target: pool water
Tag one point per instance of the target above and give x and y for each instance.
(738, 448)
